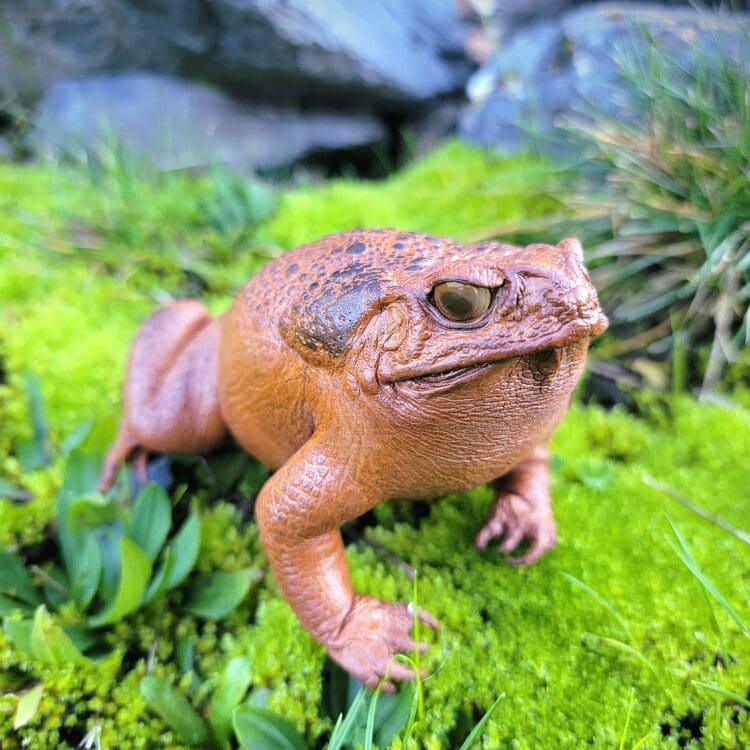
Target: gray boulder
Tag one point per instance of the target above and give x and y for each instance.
(383, 54)
(552, 69)
(179, 125)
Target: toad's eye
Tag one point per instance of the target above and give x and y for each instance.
(460, 301)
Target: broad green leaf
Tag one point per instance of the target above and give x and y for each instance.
(8, 606)
(83, 638)
(79, 434)
(175, 709)
(80, 478)
(152, 516)
(260, 729)
(90, 510)
(185, 546)
(27, 707)
(35, 453)
(49, 642)
(215, 595)
(234, 682)
(158, 584)
(15, 580)
(109, 546)
(392, 713)
(19, 631)
(135, 572)
(88, 571)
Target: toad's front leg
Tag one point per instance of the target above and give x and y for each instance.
(299, 512)
(523, 509)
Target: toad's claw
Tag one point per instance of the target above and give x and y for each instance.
(372, 634)
(514, 520)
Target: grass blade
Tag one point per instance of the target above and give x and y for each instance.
(343, 728)
(603, 602)
(370, 726)
(627, 719)
(743, 536)
(712, 688)
(685, 554)
(469, 741)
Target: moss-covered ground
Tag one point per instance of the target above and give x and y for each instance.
(604, 643)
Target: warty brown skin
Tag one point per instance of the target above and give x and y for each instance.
(335, 367)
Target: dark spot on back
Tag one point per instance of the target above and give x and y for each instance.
(356, 248)
(291, 270)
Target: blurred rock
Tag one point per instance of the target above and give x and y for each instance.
(178, 125)
(570, 64)
(6, 150)
(386, 53)
(381, 54)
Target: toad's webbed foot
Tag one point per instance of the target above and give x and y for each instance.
(371, 634)
(515, 520)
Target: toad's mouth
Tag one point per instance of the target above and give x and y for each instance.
(452, 376)
(540, 366)
(543, 356)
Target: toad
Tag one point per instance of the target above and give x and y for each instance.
(367, 366)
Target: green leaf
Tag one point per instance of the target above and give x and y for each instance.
(234, 682)
(15, 580)
(185, 546)
(260, 729)
(35, 453)
(392, 713)
(88, 571)
(8, 606)
(19, 631)
(215, 595)
(27, 707)
(160, 580)
(175, 709)
(594, 474)
(79, 434)
(80, 478)
(50, 644)
(152, 516)
(135, 572)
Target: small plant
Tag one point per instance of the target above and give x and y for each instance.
(665, 208)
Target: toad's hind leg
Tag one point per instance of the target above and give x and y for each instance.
(171, 395)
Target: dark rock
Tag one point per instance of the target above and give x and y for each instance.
(386, 51)
(383, 54)
(557, 67)
(177, 125)
(46, 41)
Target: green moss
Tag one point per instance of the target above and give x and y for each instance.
(455, 191)
(83, 259)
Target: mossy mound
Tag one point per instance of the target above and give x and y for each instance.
(84, 258)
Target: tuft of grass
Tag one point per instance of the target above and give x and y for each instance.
(662, 199)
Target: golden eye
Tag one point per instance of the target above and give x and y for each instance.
(458, 300)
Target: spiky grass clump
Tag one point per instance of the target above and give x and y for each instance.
(675, 271)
